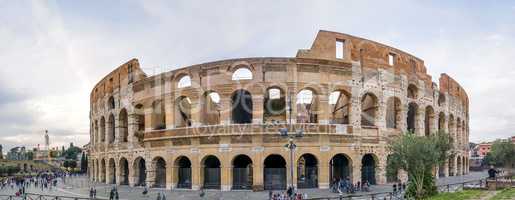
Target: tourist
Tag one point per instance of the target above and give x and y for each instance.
(158, 196)
(492, 172)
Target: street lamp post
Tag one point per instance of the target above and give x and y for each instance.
(291, 146)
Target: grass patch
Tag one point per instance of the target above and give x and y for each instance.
(505, 194)
(461, 195)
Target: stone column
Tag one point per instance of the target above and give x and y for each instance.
(225, 113)
(257, 108)
(118, 173)
(381, 171)
(196, 109)
(132, 179)
(446, 168)
(324, 112)
(169, 101)
(151, 171)
(419, 121)
(169, 174)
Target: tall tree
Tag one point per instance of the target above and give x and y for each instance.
(502, 153)
(419, 155)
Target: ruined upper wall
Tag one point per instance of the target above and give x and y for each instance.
(371, 54)
(119, 77)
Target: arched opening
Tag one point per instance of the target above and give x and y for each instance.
(124, 171)
(183, 112)
(140, 117)
(160, 172)
(242, 172)
(339, 102)
(307, 106)
(441, 170)
(393, 112)
(102, 129)
(241, 107)
(211, 166)
(441, 122)
(111, 103)
(111, 128)
(211, 108)
(369, 109)
(274, 172)
(183, 165)
(459, 166)
(307, 171)
(123, 125)
(112, 171)
(274, 106)
(242, 73)
(451, 166)
(184, 81)
(96, 134)
(103, 171)
(340, 168)
(429, 120)
(140, 171)
(411, 118)
(441, 99)
(158, 115)
(412, 91)
(368, 169)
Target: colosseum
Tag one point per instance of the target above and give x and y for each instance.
(228, 124)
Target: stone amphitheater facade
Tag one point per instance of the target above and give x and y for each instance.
(216, 125)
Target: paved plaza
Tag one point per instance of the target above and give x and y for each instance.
(79, 187)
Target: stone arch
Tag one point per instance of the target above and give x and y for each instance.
(429, 120)
(140, 171)
(452, 165)
(96, 139)
(393, 112)
(368, 168)
(242, 172)
(158, 118)
(340, 168)
(183, 81)
(307, 106)
(340, 106)
(369, 109)
(458, 131)
(111, 103)
(211, 173)
(124, 171)
(441, 99)
(451, 124)
(211, 108)
(411, 118)
(412, 91)
(307, 171)
(159, 165)
(139, 115)
(123, 124)
(458, 166)
(183, 166)
(112, 171)
(110, 129)
(241, 101)
(183, 111)
(242, 73)
(274, 172)
(102, 129)
(274, 106)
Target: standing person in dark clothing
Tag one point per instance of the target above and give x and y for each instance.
(492, 172)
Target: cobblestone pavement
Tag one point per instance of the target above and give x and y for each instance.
(79, 187)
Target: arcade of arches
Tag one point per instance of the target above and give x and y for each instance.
(215, 125)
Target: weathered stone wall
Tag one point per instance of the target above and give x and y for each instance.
(155, 128)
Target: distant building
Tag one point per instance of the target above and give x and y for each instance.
(17, 153)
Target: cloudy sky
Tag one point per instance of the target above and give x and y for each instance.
(53, 52)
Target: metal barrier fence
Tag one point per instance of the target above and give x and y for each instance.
(33, 196)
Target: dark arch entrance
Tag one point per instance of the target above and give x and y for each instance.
(241, 107)
(183, 166)
(112, 171)
(368, 172)
(124, 171)
(160, 170)
(140, 171)
(241, 173)
(411, 120)
(211, 172)
(275, 172)
(340, 168)
(307, 171)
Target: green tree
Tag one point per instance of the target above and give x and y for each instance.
(84, 163)
(419, 155)
(502, 153)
